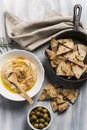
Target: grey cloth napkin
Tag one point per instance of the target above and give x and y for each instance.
(32, 34)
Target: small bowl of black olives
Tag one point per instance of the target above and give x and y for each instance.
(39, 117)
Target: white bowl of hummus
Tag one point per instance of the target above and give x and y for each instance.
(29, 72)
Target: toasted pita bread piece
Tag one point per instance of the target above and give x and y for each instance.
(62, 50)
(51, 54)
(59, 70)
(66, 56)
(51, 90)
(79, 57)
(67, 69)
(86, 67)
(54, 105)
(60, 99)
(82, 50)
(59, 104)
(54, 44)
(71, 94)
(48, 93)
(54, 63)
(63, 107)
(67, 42)
(73, 58)
(43, 96)
(59, 90)
(63, 41)
(78, 71)
(75, 47)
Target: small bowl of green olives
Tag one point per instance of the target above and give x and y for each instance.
(39, 118)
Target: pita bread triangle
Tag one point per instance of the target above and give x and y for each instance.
(48, 93)
(62, 49)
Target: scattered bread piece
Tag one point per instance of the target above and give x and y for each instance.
(71, 94)
(62, 103)
(63, 107)
(43, 96)
(48, 93)
(59, 104)
(60, 99)
(51, 90)
(54, 105)
(58, 90)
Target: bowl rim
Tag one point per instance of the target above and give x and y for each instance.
(28, 121)
(13, 53)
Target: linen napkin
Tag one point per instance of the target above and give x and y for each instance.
(32, 34)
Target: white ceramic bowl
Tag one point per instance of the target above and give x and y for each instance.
(17, 97)
(28, 119)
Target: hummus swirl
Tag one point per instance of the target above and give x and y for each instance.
(25, 70)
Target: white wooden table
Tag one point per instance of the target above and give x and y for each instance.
(13, 114)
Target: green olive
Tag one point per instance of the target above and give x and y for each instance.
(35, 110)
(39, 108)
(46, 124)
(41, 115)
(45, 116)
(36, 125)
(32, 113)
(38, 114)
(33, 117)
(37, 121)
(42, 120)
(41, 126)
(44, 110)
(48, 119)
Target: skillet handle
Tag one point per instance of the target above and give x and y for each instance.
(77, 16)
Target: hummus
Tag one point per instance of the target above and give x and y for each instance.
(25, 70)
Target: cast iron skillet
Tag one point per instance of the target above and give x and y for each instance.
(76, 35)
